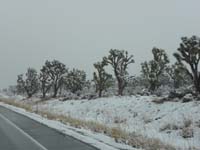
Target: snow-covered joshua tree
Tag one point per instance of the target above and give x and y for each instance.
(30, 84)
(119, 60)
(154, 69)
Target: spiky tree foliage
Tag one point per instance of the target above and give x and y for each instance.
(75, 80)
(153, 70)
(178, 74)
(119, 60)
(55, 69)
(20, 84)
(189, 53)
(30, 84)
(101, 79)
(45, 81)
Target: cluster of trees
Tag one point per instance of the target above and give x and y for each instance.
(158, 69)
(54, 75)
(185, 69)
(119, 61)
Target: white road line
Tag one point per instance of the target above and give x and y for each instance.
(24, 133)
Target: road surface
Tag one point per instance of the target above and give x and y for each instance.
(18, 132)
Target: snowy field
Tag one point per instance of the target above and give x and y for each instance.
(169, 121)
(174, 123)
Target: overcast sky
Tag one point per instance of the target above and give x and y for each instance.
(81, 32)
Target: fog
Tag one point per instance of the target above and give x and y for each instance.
(79, 33)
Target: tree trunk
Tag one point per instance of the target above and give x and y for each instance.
(43, 94)
(175, 85)
(152, 86)
(100, 93)
(196, 84)
(55, 94)
(120, 87)
(29, 95)
(196, 80)
(120, 92)
(55, 91)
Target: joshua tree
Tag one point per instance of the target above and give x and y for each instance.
(75, 80)
(189, 53)
(178, 74)
(119, 60)
(45, 81)
(55, 70)
(30, 84)
(101, 79)
(154, 69)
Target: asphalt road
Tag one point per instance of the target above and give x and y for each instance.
(18, 132)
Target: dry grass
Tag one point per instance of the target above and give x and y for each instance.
(148, 144)
(187, 132)
(187, 123)
(23, 105)
(118, 134)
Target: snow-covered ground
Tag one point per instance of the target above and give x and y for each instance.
(15, 97)
(137, 114)
(167, 121)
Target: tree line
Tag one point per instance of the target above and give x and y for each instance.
(54, 76)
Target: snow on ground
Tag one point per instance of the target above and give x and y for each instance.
(99, 141)
(133, 114)
(15, 97)
(136, 114)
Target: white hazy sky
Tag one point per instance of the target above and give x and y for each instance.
(81, 32)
